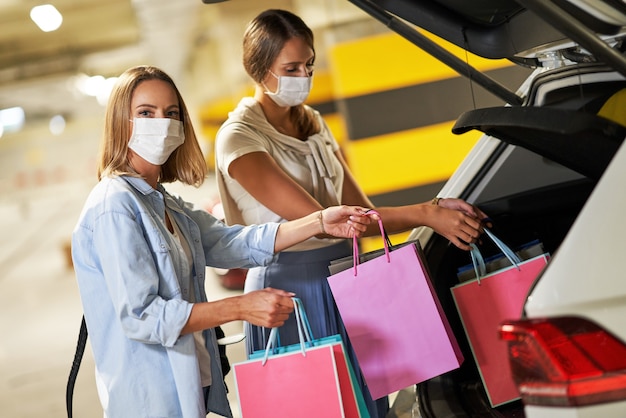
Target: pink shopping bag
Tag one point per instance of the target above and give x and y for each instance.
(485, 302)
(290, 385)
(394, 320)
(310, 379)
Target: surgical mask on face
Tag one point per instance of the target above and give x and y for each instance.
(154, 139)
(291, 91)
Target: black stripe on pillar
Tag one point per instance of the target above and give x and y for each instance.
(420, 105)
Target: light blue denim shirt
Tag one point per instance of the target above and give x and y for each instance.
(134, 305)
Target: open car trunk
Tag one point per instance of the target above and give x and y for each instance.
(545, 214)
(563, 140)
(563, 136)
(553, 147)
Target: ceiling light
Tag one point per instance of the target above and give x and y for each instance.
(93, 85)
(57, 125)
(12, 119)
(105, 90)
(47, 17)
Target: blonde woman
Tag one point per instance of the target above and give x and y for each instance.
(140, 256)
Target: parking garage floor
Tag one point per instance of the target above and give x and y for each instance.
(41, 311)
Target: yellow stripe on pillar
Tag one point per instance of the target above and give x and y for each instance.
(389, 61)
(408, 158)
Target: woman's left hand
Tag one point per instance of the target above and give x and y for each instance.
(458, 221)
(462, 206)
(346, 221)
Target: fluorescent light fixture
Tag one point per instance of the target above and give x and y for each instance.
(105, 90)
(12, 119)
(93, 85)
(47, 17)
(96, 86)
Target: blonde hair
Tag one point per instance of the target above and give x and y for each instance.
(263, 40)
(186, 164)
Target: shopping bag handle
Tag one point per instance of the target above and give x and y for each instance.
(305, 335)
(383, 233)
(479, 262)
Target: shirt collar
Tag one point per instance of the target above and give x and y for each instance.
(140, 184)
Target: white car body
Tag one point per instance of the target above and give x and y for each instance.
(586, 277)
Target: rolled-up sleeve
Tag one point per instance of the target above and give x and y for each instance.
(235, 246)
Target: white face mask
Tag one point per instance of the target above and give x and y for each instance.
(154, 139)
(291, 91)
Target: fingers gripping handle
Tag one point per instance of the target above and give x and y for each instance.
(383, 233)
(305, 334)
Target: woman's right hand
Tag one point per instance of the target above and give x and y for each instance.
(346, 221)
(266, 307)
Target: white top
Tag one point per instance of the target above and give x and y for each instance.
(184, 252)
(311, 163)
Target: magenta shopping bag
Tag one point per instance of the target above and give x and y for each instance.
(394, 320)
(483, 304)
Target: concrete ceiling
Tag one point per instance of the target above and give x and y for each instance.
(98, 37)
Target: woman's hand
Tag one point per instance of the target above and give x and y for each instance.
(458, 221)
(267, 307)
(345, 221)
(462, 206)
(339, 221)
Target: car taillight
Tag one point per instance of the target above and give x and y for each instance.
(565, 361)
